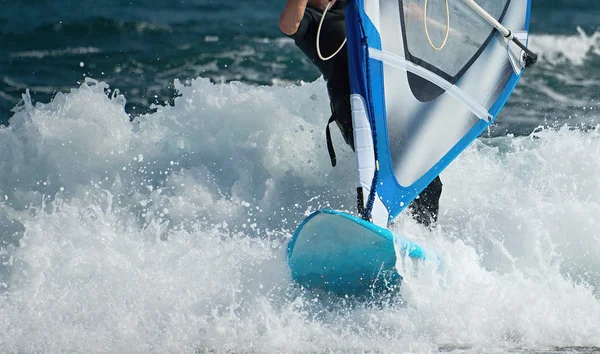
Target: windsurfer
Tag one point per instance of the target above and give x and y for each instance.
(300, 20)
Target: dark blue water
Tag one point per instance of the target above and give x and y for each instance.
(141, 47)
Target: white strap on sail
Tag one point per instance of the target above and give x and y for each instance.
(365, 158)
(453, 90)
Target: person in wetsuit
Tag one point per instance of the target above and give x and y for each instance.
(300, 21)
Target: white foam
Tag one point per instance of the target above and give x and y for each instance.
(559, 49)
(165, 234)
(518, 238)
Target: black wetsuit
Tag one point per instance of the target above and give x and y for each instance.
(335, 72)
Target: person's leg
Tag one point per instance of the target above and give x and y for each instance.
(426, 207)
(343, 118)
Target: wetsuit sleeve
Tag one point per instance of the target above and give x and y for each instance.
(303, 28)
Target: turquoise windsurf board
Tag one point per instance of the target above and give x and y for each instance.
(345, 255)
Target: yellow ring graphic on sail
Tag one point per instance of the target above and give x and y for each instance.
(447, 27)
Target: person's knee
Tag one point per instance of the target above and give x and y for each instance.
(425, 207)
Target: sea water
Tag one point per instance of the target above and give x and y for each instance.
(132, 223)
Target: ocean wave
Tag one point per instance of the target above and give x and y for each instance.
(100, 25)
(39, 54)
(167, 233)
(561, 49)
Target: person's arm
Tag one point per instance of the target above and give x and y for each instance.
(291, 16)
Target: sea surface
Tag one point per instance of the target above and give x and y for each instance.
(156, 157)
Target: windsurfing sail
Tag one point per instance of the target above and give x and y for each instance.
(427, 78)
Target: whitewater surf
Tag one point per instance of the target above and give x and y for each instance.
(166, 233)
